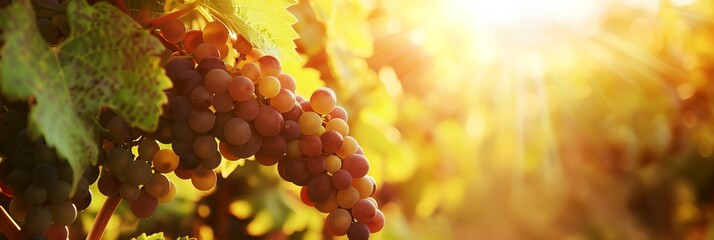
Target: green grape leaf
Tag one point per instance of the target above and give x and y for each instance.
(266, 24)
(155, 236)
(107, 60)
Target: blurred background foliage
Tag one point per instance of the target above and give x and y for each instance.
(496, 120)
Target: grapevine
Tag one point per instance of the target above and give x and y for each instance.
(227, 101)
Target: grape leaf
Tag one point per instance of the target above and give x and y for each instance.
(155, 236)
(107, 60)
(266, 24)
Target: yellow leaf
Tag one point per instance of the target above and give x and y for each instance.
(266, 24)
(324, 10)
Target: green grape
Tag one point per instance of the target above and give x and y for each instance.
(323, 100)
(25, 142)
(215, 33)
(241, 88)
(358, 231)
(339, 220)
(203, 179)
(158, 185)
(144, 206)
(347, 198)
(137, 172)
(173, 31)
(364, 185)
(310, 123)
(129, 192)
(63, 213)
(205, 146)
(294, 150)
(165, 161)
(37, 220)
(201, 121)
(284, 101)
(217, 81)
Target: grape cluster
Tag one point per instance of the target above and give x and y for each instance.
(252, 109)
(51, 20)
(38, 180)
(139, 179)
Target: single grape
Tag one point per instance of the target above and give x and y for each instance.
(241, 88)
(201, 121)
(251, 70)
(331, 141)
(268, 86)
(339, 112)
(269, 122)
(34, 195)
(310, 123)
(327, 206)
(119, 130)
(339, 221)
(247, 110)
(364, 185)
(316, 164)
(217, 81)
(108, 184)
(19, 179)
(173, 31)
(294, 113)
(290, 131)
(44, 174)
(82, 202)
(358, 231)
(205, 51)
(237, 131)
(304, 104)
(144, 206)
(333, 163)
(205, 146)
(224, 50)
(223, 102)
(137, 172)
(357, 165)
(148, 148)
(347, 198)
(320, 188)
(265, 159)
(129, 192)
(59, 192)
(323, 100)
(165, 161)
(287, 82)
(118, 158)
(183, 172)
(294, 149)
(364, 211)
(203, 179)
(157, 186)
(242, 45)
(192, 39)
(296, 170)
(284, 101)
(168, 197)
(201, 97)
(348, 148)
(377, 223)
(212, 162)
(311, 145)
(180, 108)
(342, 179)
(37, 220)
(63, 213)
(269, 66)
(215, 33)
(274, 146)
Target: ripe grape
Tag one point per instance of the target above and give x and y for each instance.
(18, 208)
(320, 188)
(358, 231)
(137, 172)
(311, 145)
(331, 141)
(357, 165)
(339, 112)
(201, 121)
(118, 158)
(176, 67)
(119, 130)
(377, 223)
(157, 186)
(187, 82)
(237, 131)
(348, 148)
(37, 220)
(63, 213)
(165, 161)
(327, 206)
(173, 31)
(304, 197)
(265, 159)
(180, 108)
(339, 125)
(205, 146)
(290, 131)
(201, 97)
(333, 163)
(364, 211)
(339, 221)
(203, 179)
(44, 174)
(222, 102)
(224, 50)
(364, 185)
(310, 123)
(129, 192)
(108, 184)
(168, 197)
(34, 195)
(148, 148)
(269, 122)
(323, 100)
(284, 101)
(341, 179)
(215, 33)
(212, 162)
(205, 51)
(217, 81)
(294, 149)
(48, 31)
(294, 113)
(251, 70)
(269, 66)
(347, 198)
(268, 86)
(144, 206)
(296, 170)
(183, 132)
(210, 63)
(241, 88)
(287, 82)
(247, 110)
(59, 192)
(242, 45)
(192, 39)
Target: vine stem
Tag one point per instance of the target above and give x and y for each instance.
(8, 227)
(100, 222)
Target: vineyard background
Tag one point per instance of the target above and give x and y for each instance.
(590, 127)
